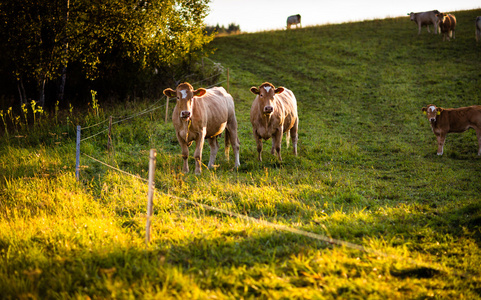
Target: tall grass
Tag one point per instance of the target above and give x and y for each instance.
(367, 173)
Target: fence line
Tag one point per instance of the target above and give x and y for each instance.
(145, 111)
(114, 168)
(286, 228)
(101, 122)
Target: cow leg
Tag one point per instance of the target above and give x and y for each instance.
(419, 30)
(231, 136)
(427, 26)
(214, 148)
(276, 143)
(185, 153)
(198, 154)
(294, 136)
(441, 138)
(478, 135)
(259, 145)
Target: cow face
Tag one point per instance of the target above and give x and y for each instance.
(440, 18)
(413, 16)
(431, 111)
(185, 98)
(266, 93)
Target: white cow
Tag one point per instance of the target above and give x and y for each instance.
(425, 18)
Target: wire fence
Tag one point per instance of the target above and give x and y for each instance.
(249, 219)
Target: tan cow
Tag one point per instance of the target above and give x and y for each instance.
(447, 25)
(425, 18)
(273, 112)
(478, 28)
(204, 114)
(446, 120)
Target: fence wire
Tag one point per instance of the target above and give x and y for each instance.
(281, 227)
(152, 108)
(297, 231)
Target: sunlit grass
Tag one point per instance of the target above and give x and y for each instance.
(367, 173)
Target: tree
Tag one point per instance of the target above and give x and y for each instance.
(39, 38)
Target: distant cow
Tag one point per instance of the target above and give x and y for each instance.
(204, 114)
(425, 19)
(478, 28)
(293, 20)
(273, 112)
(447, 25)
(446, 120)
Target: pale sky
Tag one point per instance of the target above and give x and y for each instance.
(259, 15)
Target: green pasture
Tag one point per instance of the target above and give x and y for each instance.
(367, 173)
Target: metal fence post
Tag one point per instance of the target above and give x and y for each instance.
(77, 163)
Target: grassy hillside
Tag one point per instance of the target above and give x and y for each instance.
(367, 174)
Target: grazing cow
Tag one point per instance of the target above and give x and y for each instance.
(447, 25)
(204, 114)
(273, 112)
(425, 19)
(478, 28)
(293, 20)
(446, 120)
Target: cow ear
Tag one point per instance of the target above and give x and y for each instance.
(279, 90)
(255, 90)
(424, 110)
(170, 93)
(200, 92)
(439, 110)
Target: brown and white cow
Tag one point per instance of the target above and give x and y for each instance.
(446, 120)
(478, 28)
(293, 20)
(274, 112)
(204, 114)
(447, 25)
(425, 18)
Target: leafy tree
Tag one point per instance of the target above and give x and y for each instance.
(39, 38)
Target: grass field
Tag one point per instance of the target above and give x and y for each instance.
(367, 173)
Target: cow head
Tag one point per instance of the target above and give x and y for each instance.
(265, 95)
(440, 18)
(413, 16)
(431, 111)
(185, 97)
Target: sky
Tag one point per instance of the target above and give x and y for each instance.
(260, 15)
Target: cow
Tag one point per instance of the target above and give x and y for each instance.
(446, 120)
(273, 113)
(203, 114)
(293, 20)
(447, 25)
(478, 28)
(425, 18)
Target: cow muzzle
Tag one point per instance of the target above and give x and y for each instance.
(268, 110)
(185, 115)
(432, 120)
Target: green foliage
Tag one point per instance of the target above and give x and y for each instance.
(39, 38)
(367, 173)
(232, 28)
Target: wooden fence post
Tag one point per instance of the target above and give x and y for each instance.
(77, 161)
(166, 109)
(150, 195)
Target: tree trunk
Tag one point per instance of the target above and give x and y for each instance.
(63, 77)
(21, 92)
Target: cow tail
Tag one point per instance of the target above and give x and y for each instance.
(227, 143)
